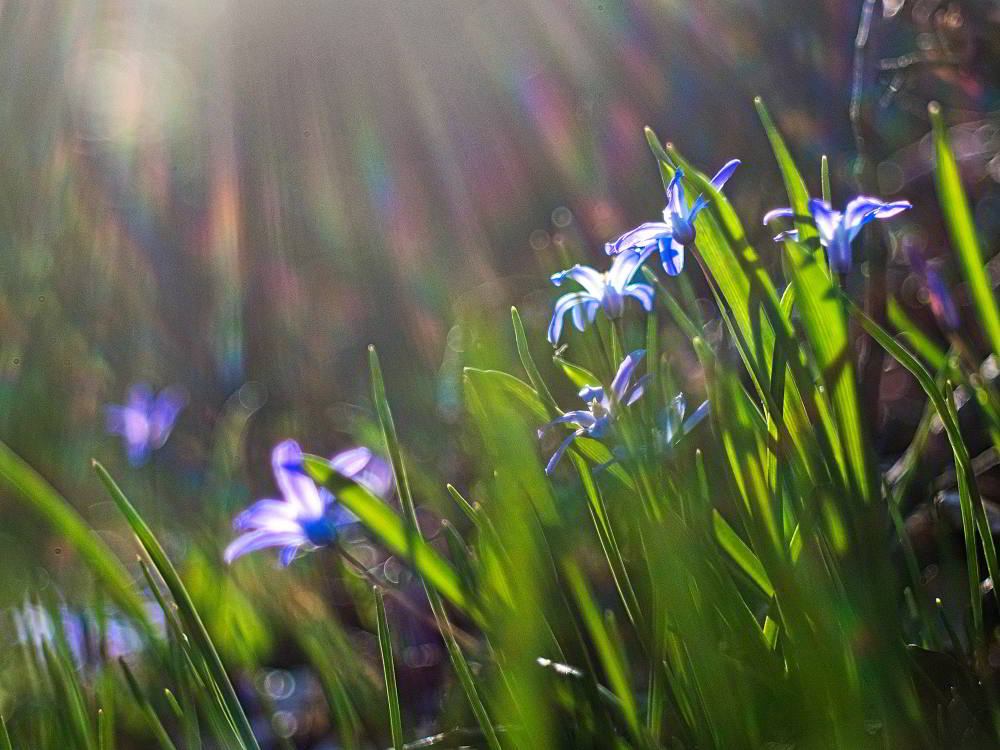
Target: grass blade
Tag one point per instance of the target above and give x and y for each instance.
(962, 229)
(388, 671)
(38, 494)
(193, 624)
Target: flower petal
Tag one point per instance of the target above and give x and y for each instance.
(642, 292)
(163, 415)
(590, 279)
(366, 468)
(272, 515)
(295, 486)
(777, 213)
(256, 540)
(563, 305)
(621, 382)
(827, 220)
(551, 465)
(643, 236)
(580, 417)
(671, 256)
(723, 175)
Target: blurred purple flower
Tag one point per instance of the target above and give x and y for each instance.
(673, 425)
(605, 291)
(602, 407)
(837, 230)
(307, 516)
(676, 232)
(942, 303)
(145, 421)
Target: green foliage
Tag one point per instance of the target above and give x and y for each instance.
(722, 584)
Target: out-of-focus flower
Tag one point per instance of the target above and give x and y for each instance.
(87, 635)
(942, 303)
(307, 516)
(603, 407)
(604, 291)
(145, 421)
(676, 232)
(673, 426)
(837, 229)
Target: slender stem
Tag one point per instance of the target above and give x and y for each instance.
(468, 641)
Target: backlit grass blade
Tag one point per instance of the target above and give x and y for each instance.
(155, 725)
(534, 377)
(5, 743)
(41, 497)
(608, 649)
(962, 230)
(193, 625)
(414, 537)
(388, 672)
(973, 512)
(392, 530)
(741, 554)
(824, 319)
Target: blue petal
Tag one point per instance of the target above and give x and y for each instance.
(624, 375)
(585, 276)
(551, 465)
(642, 292)
(777, 213)
(563, 305)
(671, 256)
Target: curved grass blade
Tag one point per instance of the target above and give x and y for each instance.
(391, 530)
(973, 512)
(155, 725)
(47, 502)
(534, 376)
(962, 229)
(193, 624)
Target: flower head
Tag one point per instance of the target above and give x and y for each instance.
(837, 229)
(306, 516)
(673, 425)
(145, 421)
(676, 232)
(942, 303)
(602, 409)
(604, 291)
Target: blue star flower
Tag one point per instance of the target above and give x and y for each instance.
(604, 291)
(307, 516)
(837, 229)
(602, 409)
(145, 421)
(676, 232)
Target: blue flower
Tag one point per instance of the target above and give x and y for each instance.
(676, 232)
(673, 426)
(145, 422)
(605, 291)
(942, 303)
(837, 230)
(602, 407)
(307, 516)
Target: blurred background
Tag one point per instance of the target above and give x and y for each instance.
(236, 198)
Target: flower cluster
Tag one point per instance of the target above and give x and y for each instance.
(603, 407)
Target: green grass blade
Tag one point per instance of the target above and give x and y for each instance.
(388, 672)
(193, 624)
(534, 376)
(608, 649)
(974, 516)
(155, 725)
(962, 230)
(39, 495)
(825, 322)
(741, 554)
(5, 743)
